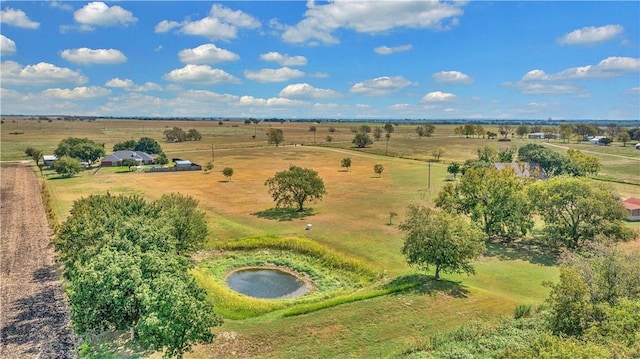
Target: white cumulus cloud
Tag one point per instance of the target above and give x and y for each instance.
(7, 46)
(381, 85)
(438, 96)
(385, 50)
(609, 67)
(78, 93)
(85, 55)
(42, 73)
(207, 54)
(320, 21)
(452, 77)
(273, 75)
(165, 26)
(304, 90)
(221, 23)
(284, 60)
(16, 17)
(591, 35)
(129, 85)
(200, 74)
(98, 13)
(273, 101)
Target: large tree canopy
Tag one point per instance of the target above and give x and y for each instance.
(495, 199)
(550, 162)
(440, 239)
(576, 211)
(125, 264)
(83, 149)
(295, 186)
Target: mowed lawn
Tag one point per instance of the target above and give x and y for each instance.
(352, 219)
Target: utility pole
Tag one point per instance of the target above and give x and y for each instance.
(213, 154)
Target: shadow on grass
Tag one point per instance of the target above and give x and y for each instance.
(284, 214)
(428, 285)
(522, 250)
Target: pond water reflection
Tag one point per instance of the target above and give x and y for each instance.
(268, 283)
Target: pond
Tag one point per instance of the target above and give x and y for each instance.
(267, 283)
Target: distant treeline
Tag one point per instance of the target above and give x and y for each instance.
(530, 122)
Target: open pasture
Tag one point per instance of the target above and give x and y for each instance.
(353, 220)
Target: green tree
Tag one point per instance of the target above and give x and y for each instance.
(586, 163)
(488, 154)
(585, 130)
(577, 211)
(494, 199)
(454, 168)
(362, 140)
(569, 304)
(275, 136)
(125, 145)
(378, 169)
(425, 130)
(208, 167)
(566, 131)
(161, 159)
(346, 163)
(148, 145)
(550, 162)
(624, 137)
(295, 186)
(188, 224)
(388, 127)
(440, 239)
(227, 172)
(108, 292)
(82, 149)
(193, 135)
(377, 133)
(122, 260)
(505, 130)
(611, 273)
(178, 316)
(35, 154)
(129, 162)
(522, 130)
(67, 166)
(175, 134)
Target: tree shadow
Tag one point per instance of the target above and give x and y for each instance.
(428, 285)
(522, 250)
(41, 322)
(284, 214)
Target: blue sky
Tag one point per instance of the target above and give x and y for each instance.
(336, 59)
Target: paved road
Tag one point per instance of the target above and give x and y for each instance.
(34, 316)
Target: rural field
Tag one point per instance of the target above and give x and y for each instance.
(357, 219)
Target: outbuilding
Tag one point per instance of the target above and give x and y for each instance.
(49, 160)
(632, 205)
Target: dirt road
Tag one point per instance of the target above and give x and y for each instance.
(34, 317)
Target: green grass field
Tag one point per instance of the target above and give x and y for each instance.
(351, 221)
